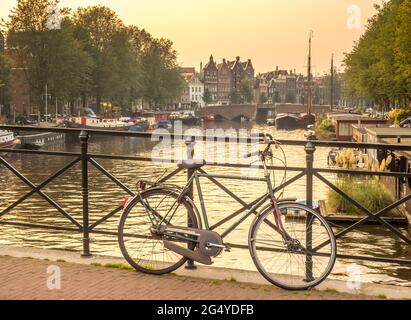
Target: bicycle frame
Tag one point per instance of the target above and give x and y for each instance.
(195, 178)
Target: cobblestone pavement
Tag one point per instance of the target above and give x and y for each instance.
(26, 278)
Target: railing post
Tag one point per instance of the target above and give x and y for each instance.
(84, 137)
(309, 151)
(190, 143)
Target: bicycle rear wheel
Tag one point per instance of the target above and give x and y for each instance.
(299, 264)
(141, 248)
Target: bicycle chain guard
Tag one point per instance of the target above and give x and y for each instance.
(204, 251)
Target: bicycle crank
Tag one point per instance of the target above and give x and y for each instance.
(210, 243)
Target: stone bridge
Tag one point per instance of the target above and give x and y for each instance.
(230, 112)
(271, 110)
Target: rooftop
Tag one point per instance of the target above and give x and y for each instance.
(355, 117)
(388, 132)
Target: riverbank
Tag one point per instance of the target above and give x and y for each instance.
(24, 276)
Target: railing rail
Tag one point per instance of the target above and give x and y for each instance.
(227, 139)
(85, 158)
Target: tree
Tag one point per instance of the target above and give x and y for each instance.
(263, 98)
(402, 47)
(378, 66)
(4, 84)
(290, 97)
(49, 57)
(246, 91)
(162, 81)
(102, 33)
(207, 96)
(236, 97)
(93, 54)
(276, 96)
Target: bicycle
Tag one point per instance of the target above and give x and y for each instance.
(291, 245)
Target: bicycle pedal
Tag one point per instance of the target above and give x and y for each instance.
(227, 249)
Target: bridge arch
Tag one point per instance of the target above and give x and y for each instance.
(230, 112)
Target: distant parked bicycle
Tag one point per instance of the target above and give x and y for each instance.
(291, 245)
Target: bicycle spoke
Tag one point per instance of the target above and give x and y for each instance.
(148, 253)
(285, 263)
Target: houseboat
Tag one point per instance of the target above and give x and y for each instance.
(344, 122)
(7, 140)
(89, 120)
(186, 117)
(306, 120)
(38, 140)
(287, 121)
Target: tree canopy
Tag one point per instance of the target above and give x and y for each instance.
(92, 54)
(379, 66)
(4, 82)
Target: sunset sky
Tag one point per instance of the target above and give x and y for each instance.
(270, 32)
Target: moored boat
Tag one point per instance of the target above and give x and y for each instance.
(38, 140)
(7, 140)
(90, 121)
(208, 118)
(164, 124)
(287, 121)
(136, 128)
(307, 119)
(186, 117)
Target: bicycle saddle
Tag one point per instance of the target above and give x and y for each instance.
(191, 164)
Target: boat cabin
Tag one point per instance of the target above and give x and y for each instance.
(344, 124)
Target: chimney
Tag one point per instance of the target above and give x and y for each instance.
(201, 67)
(224, 60)
(276, 68)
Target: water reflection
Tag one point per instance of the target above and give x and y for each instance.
(105, 196)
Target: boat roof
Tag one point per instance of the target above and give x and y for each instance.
(5, 133)
(354, 117)
(285, 115)
(388, 132)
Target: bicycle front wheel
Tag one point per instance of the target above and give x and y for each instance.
(142, 248)
(303, 261)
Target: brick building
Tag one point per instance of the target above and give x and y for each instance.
(19, 86)
(223, 79)
(224, 82)
(210, 79)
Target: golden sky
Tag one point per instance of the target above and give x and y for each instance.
(270, 32)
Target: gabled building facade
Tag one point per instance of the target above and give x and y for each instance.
(225, 78)
(224, 83)
(210, 79)
(196, 91)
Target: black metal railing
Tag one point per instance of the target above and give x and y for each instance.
(85, 158)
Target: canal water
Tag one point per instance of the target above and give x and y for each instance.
(106, 196)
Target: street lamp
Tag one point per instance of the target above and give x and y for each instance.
(47, 97)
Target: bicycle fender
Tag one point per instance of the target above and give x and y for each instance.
(262, 211)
